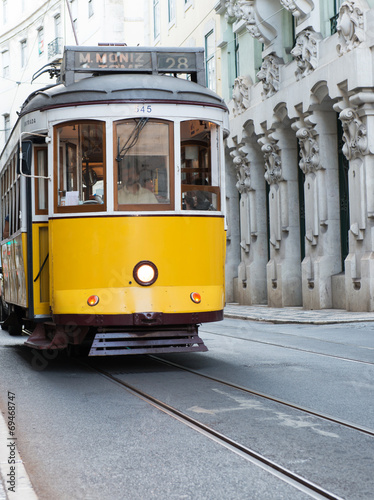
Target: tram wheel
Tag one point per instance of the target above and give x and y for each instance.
(14, 325)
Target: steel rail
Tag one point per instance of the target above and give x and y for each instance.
(274, 344)
(294, 406)
(291, 478)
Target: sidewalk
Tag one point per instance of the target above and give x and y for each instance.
(295, 315)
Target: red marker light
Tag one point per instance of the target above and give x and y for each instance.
(195, 297)
(93, 300)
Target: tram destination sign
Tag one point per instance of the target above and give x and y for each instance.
(80, 60)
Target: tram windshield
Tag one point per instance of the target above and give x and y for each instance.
(80, 149)
(143, 155)
(200, 165)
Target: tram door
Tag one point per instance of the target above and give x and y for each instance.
(40, 233)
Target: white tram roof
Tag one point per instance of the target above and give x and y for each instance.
(122, 88)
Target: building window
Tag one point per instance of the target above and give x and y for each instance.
(23, 53)
(90, 8)
(156, 18)
(6, 126)
(5, 61)
(5, 11)
(57, 26)
(335, 17)
(210, 61)
(40, 41)
(237, 60)
(171, 10)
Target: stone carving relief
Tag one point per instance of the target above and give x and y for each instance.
(354, 134)
(240, 94)
(309, 150)
(299, 8)
(351, 26)
(315, 190)
(243, 185)
(269, 75)
(273, 163)
(273, 176)
(245, 10)
(355, 147)
(241, 164)
(305, 53)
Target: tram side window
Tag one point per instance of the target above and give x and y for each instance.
(10, 199)
(200, 165)
(41, 183)
(80, 160)
(143, 155)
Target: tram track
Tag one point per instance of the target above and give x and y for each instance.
(299, 349)
(329, 418)
(302, 484)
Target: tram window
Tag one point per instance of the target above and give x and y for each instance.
(200, 165)
(143, 155)
(80, 172)
(41, 185)
(10, 198)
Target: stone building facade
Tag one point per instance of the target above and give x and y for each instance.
(302, 146)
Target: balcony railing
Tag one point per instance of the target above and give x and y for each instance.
(55, 48)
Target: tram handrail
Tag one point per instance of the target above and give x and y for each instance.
(47, 140)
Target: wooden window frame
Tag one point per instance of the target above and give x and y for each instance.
(72, 209)
(140, 207)
(39, 211)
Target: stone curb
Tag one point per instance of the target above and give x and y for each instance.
(295, 315)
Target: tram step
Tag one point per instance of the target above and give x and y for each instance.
(114, 344)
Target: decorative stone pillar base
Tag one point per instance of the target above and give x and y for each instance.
(359, 291)
(284, 284)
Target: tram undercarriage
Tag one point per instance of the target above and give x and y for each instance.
(112, 341)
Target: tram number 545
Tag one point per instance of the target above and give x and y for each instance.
(144, 109)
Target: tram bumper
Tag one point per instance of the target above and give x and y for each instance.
(114, 342)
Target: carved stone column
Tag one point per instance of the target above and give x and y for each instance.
(253, 235)
(284, 267)
(316, 134)
(358, 130)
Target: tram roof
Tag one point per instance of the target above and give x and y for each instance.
(117, 88)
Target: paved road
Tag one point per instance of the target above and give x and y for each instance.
(82, 436)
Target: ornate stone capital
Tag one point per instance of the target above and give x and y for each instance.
(273, 162)
(240, 94)
(305, 53)
(245, 10)
(242, 168)
(299, 8)
(309, 150)
(354, 134)
(351, 26)
(269, 75)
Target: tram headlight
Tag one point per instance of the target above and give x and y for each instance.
(145, 273)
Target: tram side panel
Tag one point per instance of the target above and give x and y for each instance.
(97, 256)
(14, 258)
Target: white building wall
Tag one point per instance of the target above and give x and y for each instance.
(304, 125)
(104, 21)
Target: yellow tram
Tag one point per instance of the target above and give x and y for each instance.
(112, 203)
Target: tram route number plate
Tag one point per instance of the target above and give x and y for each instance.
(166, 61)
